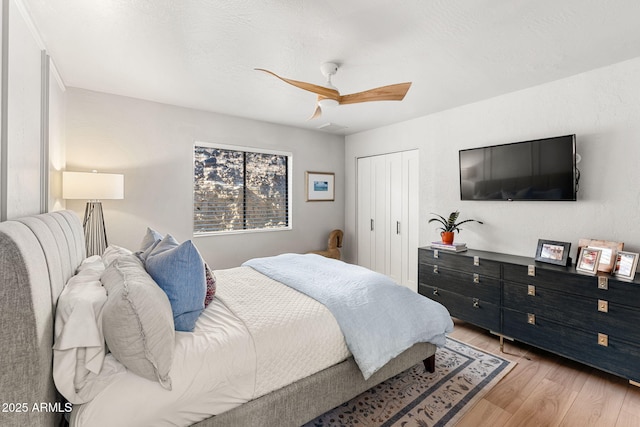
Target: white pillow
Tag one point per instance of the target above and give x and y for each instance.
(137, 321)
(112, 253)
(79, 346)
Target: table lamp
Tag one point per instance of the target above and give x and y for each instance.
(93, 187)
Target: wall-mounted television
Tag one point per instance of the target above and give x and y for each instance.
(542, 169)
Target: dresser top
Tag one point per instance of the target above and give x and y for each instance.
(521, 260)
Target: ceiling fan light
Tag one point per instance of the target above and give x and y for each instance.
(328, 103)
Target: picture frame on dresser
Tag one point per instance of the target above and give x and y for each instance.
(553, 252)
(625, 265)
(588, 260)
(608, 255)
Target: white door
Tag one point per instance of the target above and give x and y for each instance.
(364, 218)
(394, 208)
(409, 225)
(387, 217)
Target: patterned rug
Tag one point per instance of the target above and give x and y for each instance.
(416, 398)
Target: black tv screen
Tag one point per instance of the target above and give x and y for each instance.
(542, 169)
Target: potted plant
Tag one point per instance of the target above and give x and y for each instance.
(450, 225)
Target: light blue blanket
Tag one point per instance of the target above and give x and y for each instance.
(379, 318)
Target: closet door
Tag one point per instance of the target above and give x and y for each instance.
(379, 223)
(409, 225)
(364, 196)
(394, 209)
(387, 217)
(371, 213)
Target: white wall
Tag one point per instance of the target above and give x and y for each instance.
(152, 145)
(601, 107)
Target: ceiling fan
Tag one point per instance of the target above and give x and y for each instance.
(328, 95)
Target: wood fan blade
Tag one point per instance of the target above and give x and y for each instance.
(317, 113)
(319, 90)
(385, 93)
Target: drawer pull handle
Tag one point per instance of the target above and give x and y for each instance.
(603, 340)
(531, 290)
(603, 283)
(531, 319)
(435, 292)
(436, 254)
(476, 278)
(435, 269)
(476, 260)
(603, 306)
(531, 270)
(476, 303)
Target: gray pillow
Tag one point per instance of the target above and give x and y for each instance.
(137, 320)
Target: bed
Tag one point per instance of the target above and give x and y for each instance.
(40, 254)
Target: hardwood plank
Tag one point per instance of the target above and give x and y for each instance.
(485, 414)
(570, 374)
(628, 419)
(632, 400)
(546, 406)
(598, 402)
(517, 397)
(516, 387)
(630, 410)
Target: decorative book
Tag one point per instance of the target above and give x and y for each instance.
(454, 247)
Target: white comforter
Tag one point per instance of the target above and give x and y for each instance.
(258, 335)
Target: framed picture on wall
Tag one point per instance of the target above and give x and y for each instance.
(625, 265)
(320, 186)
(553, 252)
(588, 260)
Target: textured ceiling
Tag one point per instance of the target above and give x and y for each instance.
(201, 53)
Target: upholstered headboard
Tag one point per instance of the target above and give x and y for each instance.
(38, 254)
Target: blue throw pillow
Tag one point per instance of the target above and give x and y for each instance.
(179, 270)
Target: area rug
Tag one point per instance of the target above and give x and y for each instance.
(416, 398)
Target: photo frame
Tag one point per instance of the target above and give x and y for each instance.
(609, 250)
(553, 252)
(625, 265)
(588, 260)
(320, 186)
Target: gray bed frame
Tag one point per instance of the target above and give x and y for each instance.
(38, 254)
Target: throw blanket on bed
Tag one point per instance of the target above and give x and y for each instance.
(379, 318)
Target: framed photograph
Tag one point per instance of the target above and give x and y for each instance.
(553, 252)
(609, 250)
(320, 186)
(625, 265)
(588, 260)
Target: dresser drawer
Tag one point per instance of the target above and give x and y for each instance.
(608, 353)
(473, 285)
(464, 261)
(568, 280)
(473, 310)
(562, 279)
(589, 314)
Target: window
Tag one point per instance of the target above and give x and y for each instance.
(237, 189)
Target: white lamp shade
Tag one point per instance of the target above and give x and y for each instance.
(92, 185)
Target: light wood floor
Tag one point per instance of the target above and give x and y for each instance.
(548, 390)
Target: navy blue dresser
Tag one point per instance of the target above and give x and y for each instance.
(594, 320)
